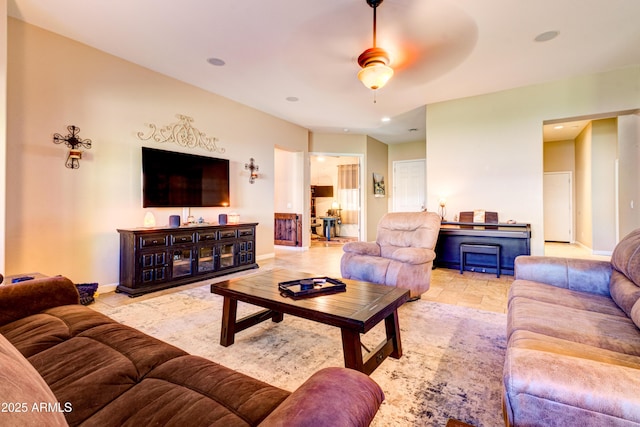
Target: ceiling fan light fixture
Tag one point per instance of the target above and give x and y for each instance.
(375, 72)
(375, 76)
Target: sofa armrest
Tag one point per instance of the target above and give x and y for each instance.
(576, 274)
(337, 397)
(26, 298)
(413, 255)
(362, 248)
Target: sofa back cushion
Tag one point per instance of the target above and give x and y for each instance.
(625, 278)
(408, 230)
(29, 400)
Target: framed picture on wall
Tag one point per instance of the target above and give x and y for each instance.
(378, 185)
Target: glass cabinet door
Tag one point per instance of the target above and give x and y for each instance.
(182, 262)
(227, 255)
(206, 258)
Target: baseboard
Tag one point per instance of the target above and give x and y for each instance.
(603, 253)
(265, 256)
(103, 289)
(292, 248)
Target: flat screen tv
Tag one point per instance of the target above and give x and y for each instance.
(171, 179)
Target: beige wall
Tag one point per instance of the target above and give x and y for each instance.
(604, 146)
(3, 133)
(629, 175)
(63, 221)
(559, 156)
(493, 143)
(584, 202)
(376, 162)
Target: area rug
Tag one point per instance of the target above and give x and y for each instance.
(451, 366)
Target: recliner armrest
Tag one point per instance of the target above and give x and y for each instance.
(330, 397)
(362, 248)
(584, 275)
(413, 255)
(31, 297)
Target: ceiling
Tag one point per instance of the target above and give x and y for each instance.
(564, 131)
(296, 59)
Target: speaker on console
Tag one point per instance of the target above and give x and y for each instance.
(222, 219)
(174, 221)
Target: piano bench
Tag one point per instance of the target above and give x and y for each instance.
(479, 248)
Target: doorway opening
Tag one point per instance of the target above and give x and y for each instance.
(336, 198)
(598, 155)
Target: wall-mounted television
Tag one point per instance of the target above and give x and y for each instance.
(171, 179)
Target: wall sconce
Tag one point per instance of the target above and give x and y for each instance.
(251, 166)
(443, 211)
(73, 142)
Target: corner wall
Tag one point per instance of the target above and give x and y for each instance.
(63, 221)
(3, 134)
(485, 152)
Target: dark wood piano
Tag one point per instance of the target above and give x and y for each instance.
(514, 240)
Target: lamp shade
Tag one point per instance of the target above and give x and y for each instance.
(375, 75)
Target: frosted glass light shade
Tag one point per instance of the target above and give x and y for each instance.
(375, 76)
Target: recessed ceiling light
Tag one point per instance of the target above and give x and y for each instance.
(345, 129)
(216, 61)
(558, 127)
(386, 119)
(292, 98)
(546, 36)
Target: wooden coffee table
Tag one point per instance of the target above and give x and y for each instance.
(355, 312)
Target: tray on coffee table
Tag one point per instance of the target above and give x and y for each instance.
(311, 287)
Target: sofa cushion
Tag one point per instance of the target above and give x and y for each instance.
(564, 297)
(33, 334)
(626, 256)
(21, 387)
(572, 324)
(86, 358)
(546, 388)
(214, 394)
(625, 279)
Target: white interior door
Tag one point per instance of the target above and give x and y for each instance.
(558, 216)
(409, 185)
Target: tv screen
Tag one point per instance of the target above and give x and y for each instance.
(171, 179)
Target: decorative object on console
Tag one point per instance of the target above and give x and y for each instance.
(150, 219)
(442, 209)
(253, 168)
(375, 72)
(233, 218)
(73, 142)
(183, 134)
(174, 221)
(378, 185)
(222, 219)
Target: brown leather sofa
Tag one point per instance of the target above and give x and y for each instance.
(401, 256)
(573, 350)
(62, 363)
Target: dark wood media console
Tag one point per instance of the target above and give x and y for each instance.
(157, 258)
(512, 239)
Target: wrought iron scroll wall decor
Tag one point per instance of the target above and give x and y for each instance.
(74, 143)
(183, 134)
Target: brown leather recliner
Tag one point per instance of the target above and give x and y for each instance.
(401, 256)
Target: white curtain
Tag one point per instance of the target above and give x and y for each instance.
(348, 189)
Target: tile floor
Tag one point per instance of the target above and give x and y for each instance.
(476, 290)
